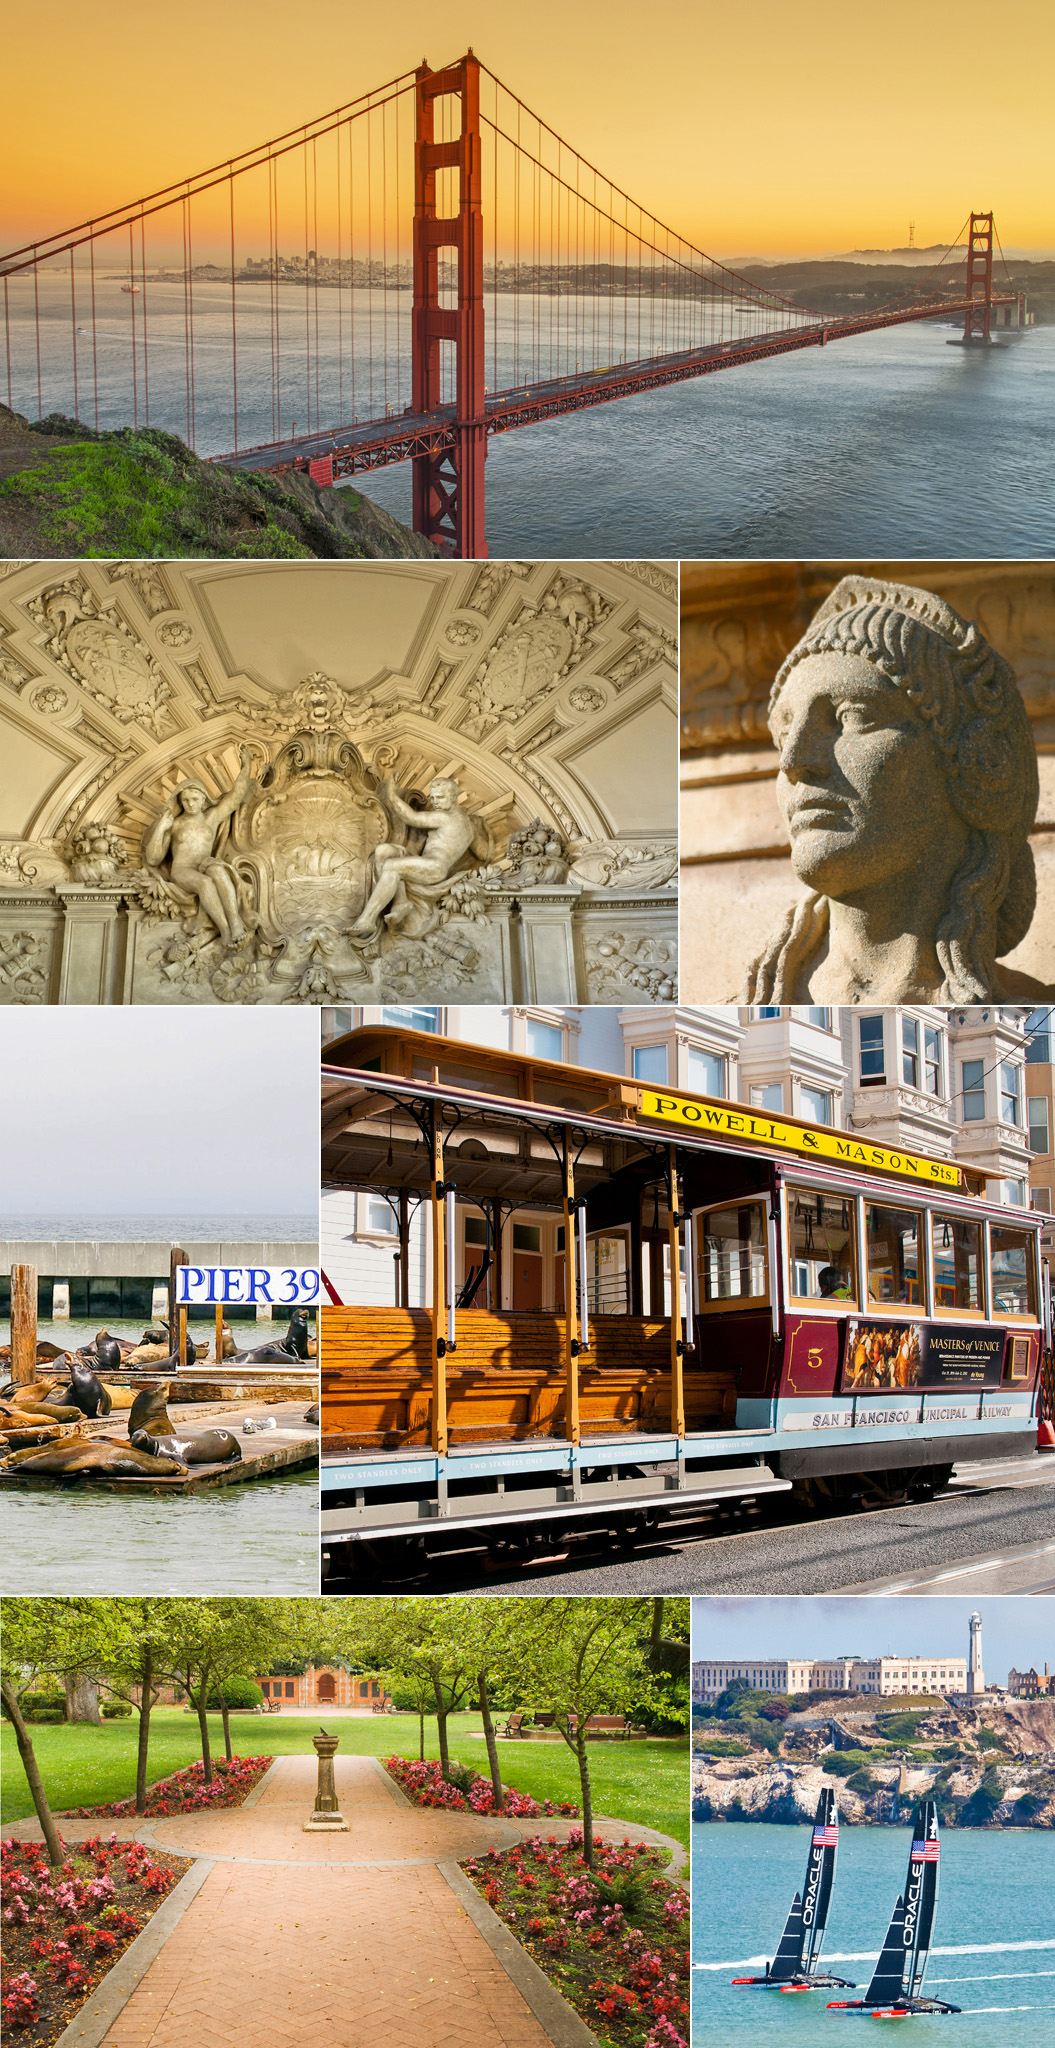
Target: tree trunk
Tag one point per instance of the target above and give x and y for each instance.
(421, 1735)
(441, 1728)
(82, 1697)
(587, 1795)
(226, 1715)
(146, 1701)
(33, 1777)
(489, 1738)
(203, 1724)
(577, 1744)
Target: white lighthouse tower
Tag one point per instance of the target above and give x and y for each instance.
(975, 1674)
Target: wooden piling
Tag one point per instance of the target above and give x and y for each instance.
(23, 1324)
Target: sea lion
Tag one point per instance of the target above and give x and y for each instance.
(35, 1409)
(120, 1397)
(86, 1392)
(110, 1352)
(148, 1354)
(149, 1412)
(80, 1454)
(312, 1414)
(296, 1337)
(208, 1447)
(274, 1353)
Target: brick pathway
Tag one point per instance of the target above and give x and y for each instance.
(296, 1940)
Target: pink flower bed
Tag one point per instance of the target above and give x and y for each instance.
(614, 1938)
(64, 1928)
(426, 1786)
(186, 1791)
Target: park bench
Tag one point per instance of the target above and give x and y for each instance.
(272, 1706)
(385, 1706)
(615, 1726)
(513, 1726)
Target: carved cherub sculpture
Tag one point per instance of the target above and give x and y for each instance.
(186, 833)
(408, 883)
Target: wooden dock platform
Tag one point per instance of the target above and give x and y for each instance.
(292, 1443)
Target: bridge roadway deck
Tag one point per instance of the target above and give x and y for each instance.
(374, 444)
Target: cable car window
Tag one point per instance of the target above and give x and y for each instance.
(957, 1247)
(1014, 1293)
(893, 1253)
(821, 1245)
(731, 1256)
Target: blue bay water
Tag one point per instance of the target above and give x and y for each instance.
(994, 1938)
(894, 443)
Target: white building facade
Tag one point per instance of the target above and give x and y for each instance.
(881, 1676)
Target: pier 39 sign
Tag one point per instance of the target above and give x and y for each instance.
(244, 1286)
(814, 1144)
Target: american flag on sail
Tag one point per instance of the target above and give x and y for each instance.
(826, 1837)
(924, 1852)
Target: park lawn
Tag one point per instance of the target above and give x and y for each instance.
(84, 1765)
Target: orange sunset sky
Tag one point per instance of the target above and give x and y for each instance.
(765, 128)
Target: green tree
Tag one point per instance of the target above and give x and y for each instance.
(578, 1657)
(40, 1635)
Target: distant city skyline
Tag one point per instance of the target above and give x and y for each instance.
(772, 131)
(1016, 1633)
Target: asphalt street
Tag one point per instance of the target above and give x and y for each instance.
(1004, 1534)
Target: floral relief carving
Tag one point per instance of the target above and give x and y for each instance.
(147, 583)
(622, 968)
(650, 645)
(175, 633)
(538, 648)
(50, 699)
(22, 980)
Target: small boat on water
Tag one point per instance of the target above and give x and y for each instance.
(896, 1989)
(794, 1967)
(130, 287)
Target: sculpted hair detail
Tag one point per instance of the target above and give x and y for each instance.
(968, 696)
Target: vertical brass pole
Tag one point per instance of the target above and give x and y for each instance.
(219, 1333)
(404, 1249)
(439, 1320)
(571, 1317)
(677, 1376)
(183, 1338)
(23, 1324)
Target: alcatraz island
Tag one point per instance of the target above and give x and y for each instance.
(987, 1757)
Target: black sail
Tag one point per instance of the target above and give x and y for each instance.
(820, 1877)
(888, 1978)
(921, 1894)
(788, 1959)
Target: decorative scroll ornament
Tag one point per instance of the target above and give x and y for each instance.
(91, 642)
(534, 653)
(625, 869)
(320, 705)
(491, 582)
(147, 584)
(21, 980)
(651, 645)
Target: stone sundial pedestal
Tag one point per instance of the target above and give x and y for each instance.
(326, 1815)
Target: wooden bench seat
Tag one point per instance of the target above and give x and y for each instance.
(505, 1381)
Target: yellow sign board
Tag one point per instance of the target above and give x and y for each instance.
(843, 1146)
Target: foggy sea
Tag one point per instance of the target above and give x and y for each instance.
(891, 444)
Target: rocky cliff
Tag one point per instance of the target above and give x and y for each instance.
(972, 1791)
(67, 491)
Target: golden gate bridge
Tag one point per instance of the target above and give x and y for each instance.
(453, 270)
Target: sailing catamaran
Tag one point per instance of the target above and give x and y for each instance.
(895, 1992)
(793, 1966)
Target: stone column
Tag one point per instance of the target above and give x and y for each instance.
(548, 968)
(326, 1814)
(93, 944)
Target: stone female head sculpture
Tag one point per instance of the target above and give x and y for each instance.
(908, 777)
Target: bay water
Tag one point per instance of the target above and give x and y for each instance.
(994, 1933)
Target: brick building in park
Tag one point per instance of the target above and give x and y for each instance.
(322, 1685)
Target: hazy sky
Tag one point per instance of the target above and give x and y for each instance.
(1015, 1632)
(146, 1112)
(764, 128)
